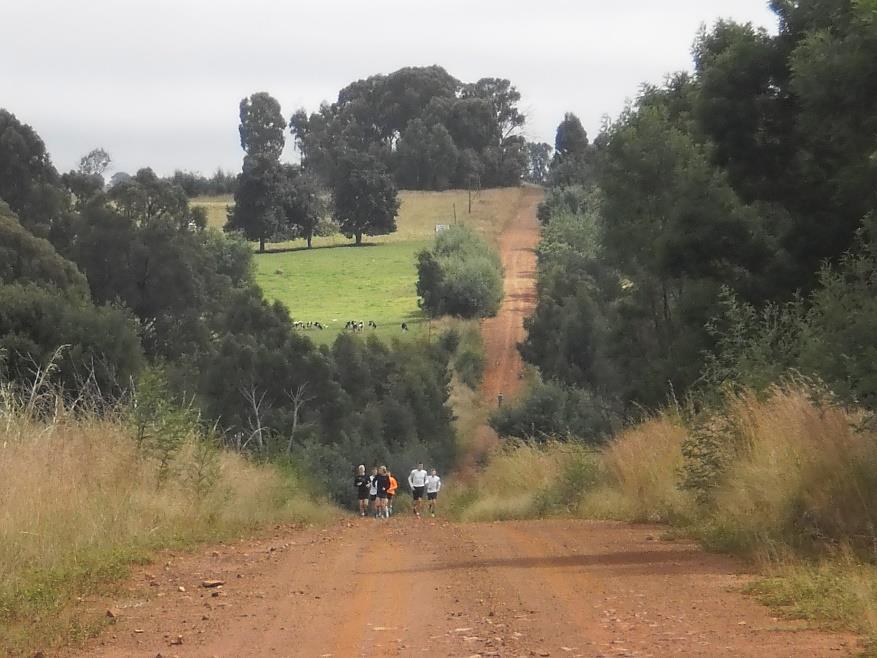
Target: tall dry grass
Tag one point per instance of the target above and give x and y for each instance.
(639, 480)
(525, 480)
(791, 483)
(79, 503)
(804, 476)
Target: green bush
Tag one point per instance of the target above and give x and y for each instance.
(464, 346)
(551, 410)
(461, 275)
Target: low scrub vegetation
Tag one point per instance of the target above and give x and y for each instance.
(463, 343)
(788, 478)
(84, 496)
(549, 409)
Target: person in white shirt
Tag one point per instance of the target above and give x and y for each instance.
(417, 482)
(433, 486)
(373, 491)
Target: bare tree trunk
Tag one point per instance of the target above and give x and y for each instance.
(298, 400)
(256, 403)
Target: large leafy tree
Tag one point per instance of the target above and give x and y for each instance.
(45, 304)
(538, 162)
(146, 198)
(300, 203)
(95, 162)
(262, 126)
(29, 182)
(426, 157)
(25, 258)
(428, 128)
(785, 116)
(256, 212)
(572, 162)
(571, 139)
(364, 196)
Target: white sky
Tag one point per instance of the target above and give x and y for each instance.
(158, 83)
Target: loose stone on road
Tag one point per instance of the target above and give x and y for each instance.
(405, 587)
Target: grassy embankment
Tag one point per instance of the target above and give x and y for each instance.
(80, 503)
(335, 282)
(787, 480)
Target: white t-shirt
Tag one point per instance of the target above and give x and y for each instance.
(433, 484)
(373, 486)
(417, 478)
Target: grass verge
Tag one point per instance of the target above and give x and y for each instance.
(79, 504)
(787, 480)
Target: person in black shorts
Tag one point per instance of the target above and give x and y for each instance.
(417, 482)
(362, 484)
(382, 482)
(433, 486)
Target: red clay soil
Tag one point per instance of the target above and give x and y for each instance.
(501, 334)
(411, 587)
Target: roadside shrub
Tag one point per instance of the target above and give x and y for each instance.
(805, 477)
(465, 349)
(527, 480)
(790, 471)
(828, 335)
(641, 467)
(100, 344)
(469, 365)
(549, 410)
(461, 275)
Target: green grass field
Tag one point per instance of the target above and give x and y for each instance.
(335, 282)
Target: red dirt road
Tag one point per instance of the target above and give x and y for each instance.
(409, 587)
(502, 333)
(406, 587)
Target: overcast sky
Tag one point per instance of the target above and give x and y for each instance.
(158, 83)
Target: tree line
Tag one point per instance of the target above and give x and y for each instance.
(426, 128)
(416, 128)
(280, 201)
(103, 286)
(720, 230)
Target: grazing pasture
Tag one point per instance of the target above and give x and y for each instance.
(335, 282)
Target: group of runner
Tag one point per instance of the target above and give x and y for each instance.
(379, 489)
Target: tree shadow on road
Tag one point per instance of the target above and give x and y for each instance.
(655, 562)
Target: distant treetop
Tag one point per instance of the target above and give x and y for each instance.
(430, 130)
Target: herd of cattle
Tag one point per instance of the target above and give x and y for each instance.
(356, 326)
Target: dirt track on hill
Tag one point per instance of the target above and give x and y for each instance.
(412, 587)
(501, 334)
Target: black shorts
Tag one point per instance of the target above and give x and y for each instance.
(372, 497)
(418, 492)
(382, 495)
(432, 495)
(363, 496)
